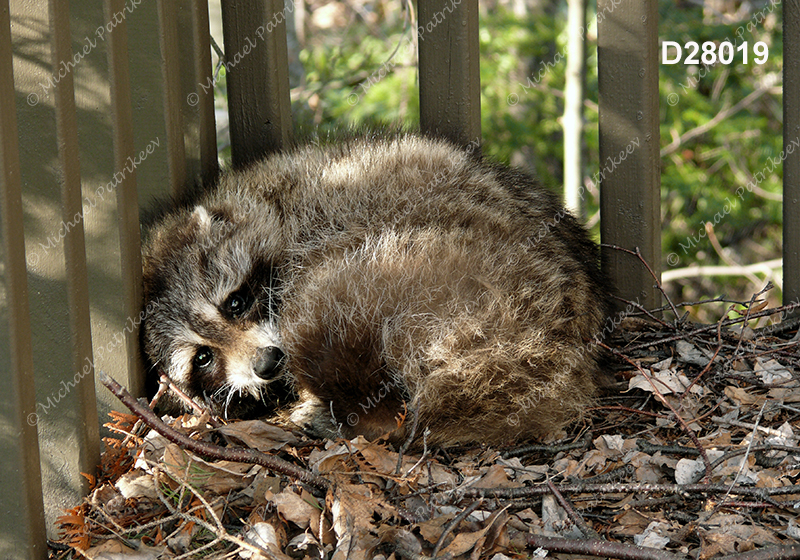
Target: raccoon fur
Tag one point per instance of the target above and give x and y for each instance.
(378, 277)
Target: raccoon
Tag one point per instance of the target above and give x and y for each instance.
(380, 278)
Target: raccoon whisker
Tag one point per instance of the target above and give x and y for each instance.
(470, 279)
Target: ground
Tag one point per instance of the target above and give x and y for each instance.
(694, 454)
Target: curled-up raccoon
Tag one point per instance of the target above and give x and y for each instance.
(377, 276)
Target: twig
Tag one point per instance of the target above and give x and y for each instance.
(756, 449)
(637, 253)
(651, 314)
(613, 475)
(453, 524)
(422, 457)
(725, 323)
(747, 425)
(718, 118)
(666, 403)
(235, 454)
(747, 314)
(787, 552)
(624, 488)
(651, 449)
(631, 410)
(585, 530)
(599, 548)
(408, 442)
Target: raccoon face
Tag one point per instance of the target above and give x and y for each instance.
(214, 294)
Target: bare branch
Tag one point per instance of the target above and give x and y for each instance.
(235, 454)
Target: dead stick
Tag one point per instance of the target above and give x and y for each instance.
(787, 552)
(725, 323)
(235, 454)
(452, 525)
(625, 488)
(576, 518)
(599, 548)
(637, 253)
(666, 403)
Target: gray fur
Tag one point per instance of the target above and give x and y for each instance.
(395, 274)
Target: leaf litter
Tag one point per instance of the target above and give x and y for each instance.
(694, 454)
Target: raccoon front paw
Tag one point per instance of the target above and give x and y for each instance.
(314, 418)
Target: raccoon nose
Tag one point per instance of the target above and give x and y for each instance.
(268, 361)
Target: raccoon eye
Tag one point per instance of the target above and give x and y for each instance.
(238, 303)
(203, 357)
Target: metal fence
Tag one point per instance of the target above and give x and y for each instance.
(71, 278)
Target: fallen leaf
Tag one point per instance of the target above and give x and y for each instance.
(667, 381)
(259, 435)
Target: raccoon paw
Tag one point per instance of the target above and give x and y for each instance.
(314, 418)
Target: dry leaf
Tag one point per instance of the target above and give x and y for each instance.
(667, 381)
(743, 397)
(304, 511)
(263, 535)
(259, 435)
(654, 536)
(691, 354)
(772, 372)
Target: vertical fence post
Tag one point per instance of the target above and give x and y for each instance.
(630, 185)
(77, 410)
(127, 198)
(57, 275)
(791, 167)
(203, 73)
(449, 70)
(22, 527)
(171, 70)
(257, 62)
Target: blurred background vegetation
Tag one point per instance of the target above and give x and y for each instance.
(353, 62)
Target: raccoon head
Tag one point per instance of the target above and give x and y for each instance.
(212, 295)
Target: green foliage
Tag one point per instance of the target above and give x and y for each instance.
(365, 73)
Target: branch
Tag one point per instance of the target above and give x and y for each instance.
(718, 118)
(632, 552)
(576, 518)
(600, 548)
(617, 488)
(767, 267)
(787, 552)
(235, 454)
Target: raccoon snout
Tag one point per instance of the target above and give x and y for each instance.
(268, 361)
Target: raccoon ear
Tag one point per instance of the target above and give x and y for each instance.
(202, 218)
